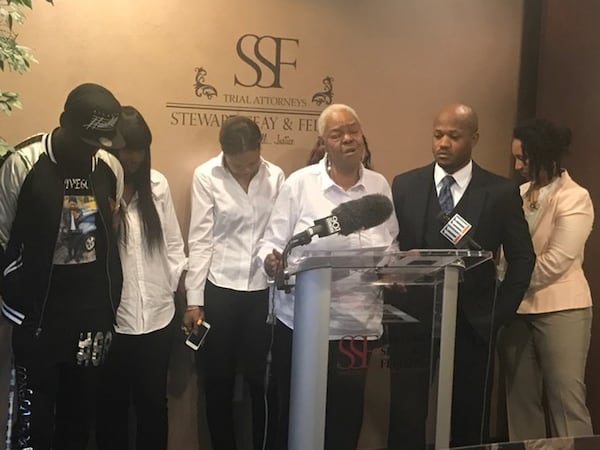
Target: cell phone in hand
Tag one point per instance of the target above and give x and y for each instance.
(196, 338)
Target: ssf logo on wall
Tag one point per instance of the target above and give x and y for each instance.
(257, 90)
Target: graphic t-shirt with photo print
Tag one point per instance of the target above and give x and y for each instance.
(76, 243)
(79, 289)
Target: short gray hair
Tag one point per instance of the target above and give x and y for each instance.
(322, 121)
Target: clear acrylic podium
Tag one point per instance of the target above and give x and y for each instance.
(313, 274)
(564, 443)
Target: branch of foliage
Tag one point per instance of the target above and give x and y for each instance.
(13, 56)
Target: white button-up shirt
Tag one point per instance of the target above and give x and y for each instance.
(226, 226)
(150, 277)
(310, 194)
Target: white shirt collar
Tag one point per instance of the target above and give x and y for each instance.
(462, 177)
(327, 182)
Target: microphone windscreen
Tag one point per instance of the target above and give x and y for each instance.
(363, 213)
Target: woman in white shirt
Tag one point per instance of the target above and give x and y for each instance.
(153, 260)
(356, 308)
(232, 197)
(544, 350)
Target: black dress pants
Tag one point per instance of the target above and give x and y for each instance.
(238, 341)
(410, 351)
(135, 374)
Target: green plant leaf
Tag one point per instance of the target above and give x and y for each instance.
(16, 15)
(4, 146)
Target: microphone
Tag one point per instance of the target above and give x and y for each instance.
(322, 227)
(456, 229)
(349, 217)
(346, 218)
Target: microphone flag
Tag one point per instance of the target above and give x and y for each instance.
(455, 229)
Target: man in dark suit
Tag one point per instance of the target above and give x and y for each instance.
(454, 184)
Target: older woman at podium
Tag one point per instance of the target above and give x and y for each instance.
(310, 194)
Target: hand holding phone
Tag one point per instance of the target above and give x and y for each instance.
(196, 338)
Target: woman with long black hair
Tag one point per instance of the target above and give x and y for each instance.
(153, 259)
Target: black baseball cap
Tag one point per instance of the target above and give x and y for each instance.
(92, 112)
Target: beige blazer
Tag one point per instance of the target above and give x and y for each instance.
(559, 230)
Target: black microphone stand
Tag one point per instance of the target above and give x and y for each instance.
(281, 276)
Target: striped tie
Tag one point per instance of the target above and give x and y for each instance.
(445, 195)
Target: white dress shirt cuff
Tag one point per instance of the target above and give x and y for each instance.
(195, 297)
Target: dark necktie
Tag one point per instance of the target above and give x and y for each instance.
(445, 195)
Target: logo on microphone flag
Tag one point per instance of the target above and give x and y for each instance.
(333, 225)
(455, 229)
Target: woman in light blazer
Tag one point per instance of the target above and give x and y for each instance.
(544, 350)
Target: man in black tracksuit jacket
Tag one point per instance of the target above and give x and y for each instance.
(60, 276)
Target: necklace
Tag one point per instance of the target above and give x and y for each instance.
(532, 199)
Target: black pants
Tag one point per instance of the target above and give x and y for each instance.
(57, 380)
(471, 394)
(238, 342)
(410, 351)
(346, 378)
(135, 372)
